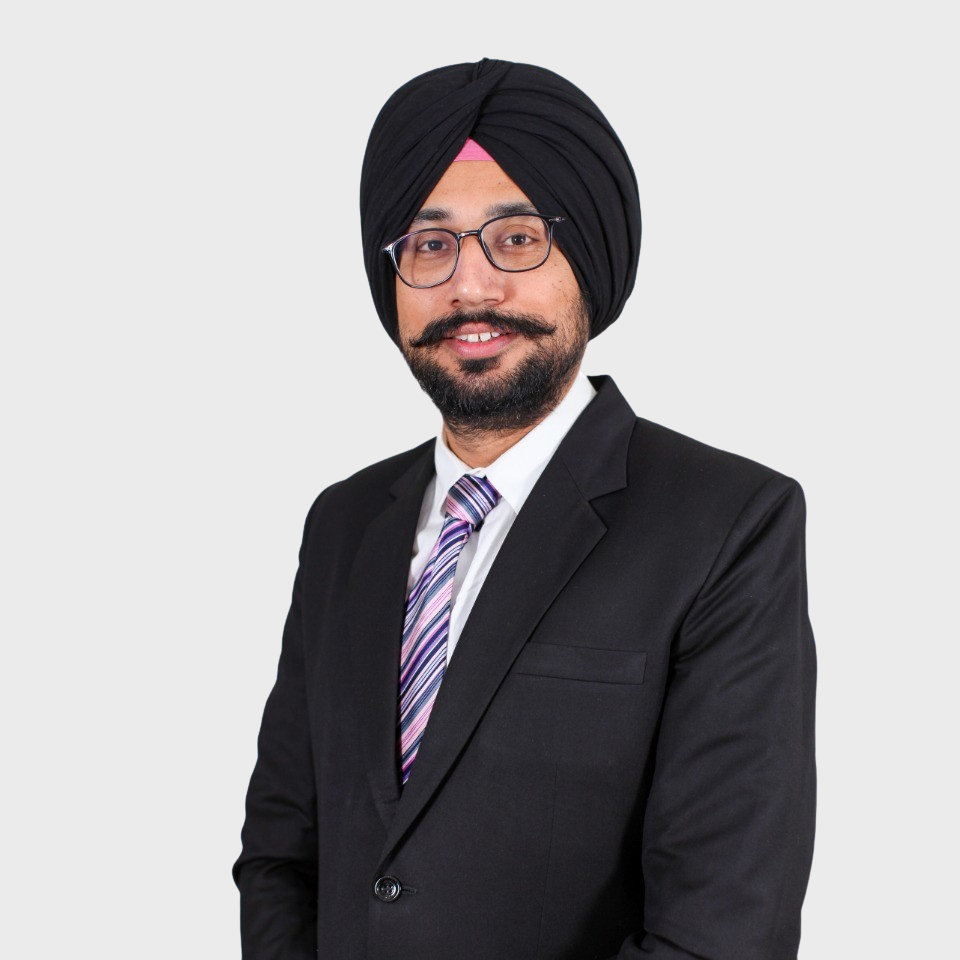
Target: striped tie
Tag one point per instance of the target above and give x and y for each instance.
(423, 654)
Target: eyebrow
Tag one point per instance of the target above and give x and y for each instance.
(514, 208)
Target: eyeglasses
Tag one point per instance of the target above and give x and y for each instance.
(427, 258)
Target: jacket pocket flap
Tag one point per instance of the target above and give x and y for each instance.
(581, 663)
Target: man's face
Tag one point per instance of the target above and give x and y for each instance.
(509, 381)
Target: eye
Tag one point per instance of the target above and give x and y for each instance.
(433, 244)
(514, 236)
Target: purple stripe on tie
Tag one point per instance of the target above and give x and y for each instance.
(423, 651)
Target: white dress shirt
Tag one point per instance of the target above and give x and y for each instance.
(514, 474)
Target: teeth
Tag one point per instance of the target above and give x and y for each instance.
(478, 337)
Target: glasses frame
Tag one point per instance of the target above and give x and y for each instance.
(390, 248)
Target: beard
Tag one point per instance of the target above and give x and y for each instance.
(478, 399)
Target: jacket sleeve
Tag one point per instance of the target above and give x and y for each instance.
(729, 824)
(276, 872)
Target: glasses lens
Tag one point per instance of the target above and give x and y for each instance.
(517, 243)
(426, 257)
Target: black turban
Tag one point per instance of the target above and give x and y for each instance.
(550, 139)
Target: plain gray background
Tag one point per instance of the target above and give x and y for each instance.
(190, 354)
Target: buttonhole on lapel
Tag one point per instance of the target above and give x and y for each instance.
(405, 889)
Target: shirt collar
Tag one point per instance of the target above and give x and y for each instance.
(518, 468)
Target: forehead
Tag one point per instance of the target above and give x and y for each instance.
(470, 190)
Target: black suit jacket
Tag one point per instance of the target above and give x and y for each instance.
(620, 758)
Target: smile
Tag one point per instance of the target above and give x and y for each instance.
(477, 337)
(482, 343)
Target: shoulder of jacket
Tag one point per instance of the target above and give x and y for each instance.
(699, 471)
(675, 451)
(370, 484)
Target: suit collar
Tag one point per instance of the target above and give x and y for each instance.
(524, 579)
(595, 449)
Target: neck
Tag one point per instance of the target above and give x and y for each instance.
(481, 448)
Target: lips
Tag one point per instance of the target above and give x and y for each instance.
(482, 341)
(478, 337)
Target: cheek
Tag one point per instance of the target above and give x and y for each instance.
(560, 288)
(411, 312)
(561, 275)
(400, 292)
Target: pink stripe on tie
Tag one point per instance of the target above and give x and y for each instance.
(423, 652)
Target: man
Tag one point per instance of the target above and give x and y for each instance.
(546, 687)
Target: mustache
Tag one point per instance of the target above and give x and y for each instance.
(526, 324)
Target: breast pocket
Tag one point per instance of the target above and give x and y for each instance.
(588, 664)
(584, 708)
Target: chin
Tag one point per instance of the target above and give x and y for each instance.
(478, 366)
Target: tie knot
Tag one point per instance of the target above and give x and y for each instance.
(471, 499)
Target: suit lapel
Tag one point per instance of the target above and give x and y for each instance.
(553, 533)
(376, 602)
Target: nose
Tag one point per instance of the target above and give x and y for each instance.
(476, 282)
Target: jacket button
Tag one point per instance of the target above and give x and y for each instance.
(387, 889)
